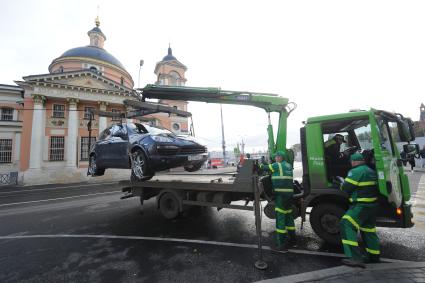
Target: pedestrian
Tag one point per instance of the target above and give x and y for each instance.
(282, 183)
(361, 186)
(422, 154)
(403, 157)
(411, 159)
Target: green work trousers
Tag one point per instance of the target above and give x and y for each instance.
(284, 219)
(360, 217)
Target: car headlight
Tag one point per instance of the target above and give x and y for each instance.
(162, 139)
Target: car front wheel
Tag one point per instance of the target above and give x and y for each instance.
(139, 167)
(193, 167)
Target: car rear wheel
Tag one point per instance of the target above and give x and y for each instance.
(193, 167)
(93, 169)
(139, 167)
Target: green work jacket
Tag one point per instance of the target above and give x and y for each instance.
(282, 176)
(361, 185)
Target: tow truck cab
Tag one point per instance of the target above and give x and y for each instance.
(375, 133)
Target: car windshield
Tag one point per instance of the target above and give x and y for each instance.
(158, 131)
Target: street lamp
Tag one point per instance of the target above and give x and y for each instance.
(140, 68)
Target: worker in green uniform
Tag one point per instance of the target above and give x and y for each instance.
(282, 182)
(361, 186)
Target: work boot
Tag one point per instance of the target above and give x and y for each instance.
(353, 262)
(293, 243)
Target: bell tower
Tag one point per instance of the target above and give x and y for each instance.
(171, 72)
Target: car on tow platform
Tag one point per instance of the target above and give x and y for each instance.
(145, 150)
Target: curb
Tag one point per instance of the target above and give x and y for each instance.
(340, 270)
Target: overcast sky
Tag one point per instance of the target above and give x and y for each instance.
(327, 56)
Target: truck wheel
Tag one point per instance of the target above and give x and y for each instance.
(324, 220)
(169, 206)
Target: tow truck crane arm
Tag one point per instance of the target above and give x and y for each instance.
(267, 101)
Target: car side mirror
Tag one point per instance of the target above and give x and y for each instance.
(411, 148)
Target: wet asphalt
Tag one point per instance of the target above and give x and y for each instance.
(87, 228)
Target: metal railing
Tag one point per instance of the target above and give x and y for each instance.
(10, 178)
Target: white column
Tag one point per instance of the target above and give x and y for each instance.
(71, 147)
(37, 133)
(17, 153)
(102, 120)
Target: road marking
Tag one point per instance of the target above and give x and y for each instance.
(52, 199)
(215, 243)
(419, 192)
(54, 188)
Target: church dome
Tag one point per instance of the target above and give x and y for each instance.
(93, 57)
(94, 53)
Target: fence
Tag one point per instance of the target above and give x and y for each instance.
(10, 178)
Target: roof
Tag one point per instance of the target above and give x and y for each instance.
(98, 30)
(92, 52)
(169, 56)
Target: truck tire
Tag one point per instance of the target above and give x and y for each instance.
(169, 206)
(324, 219)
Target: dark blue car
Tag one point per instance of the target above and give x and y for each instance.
(145, 150)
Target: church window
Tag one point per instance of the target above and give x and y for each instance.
(94, 69)
(57, 148)
(85, 147)
(122, 80)
(5, 150)
(176, 127)
(116, 118)
(61, 69)
(58, 111)
(87, 112)
(7, 114)
(96, 41)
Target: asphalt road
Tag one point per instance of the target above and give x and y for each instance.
(85, 233)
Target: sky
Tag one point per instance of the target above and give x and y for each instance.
(326, 56)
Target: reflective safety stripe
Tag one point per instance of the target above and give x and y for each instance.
(282, 211)
(364, 199)
(374, 252)
(281, 231)
(280, 169)
(271, 168)
(360, 184)
(369, 183)
(348, 180)
(352, 221)
(369, 230)
(351, 243)
(290, 228)
(282, 177)
(283, 190)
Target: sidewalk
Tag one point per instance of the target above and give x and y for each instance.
(399, 272)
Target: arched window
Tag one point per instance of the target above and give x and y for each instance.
(174, 78)
(93, 69)
(122, 80)
(61, 69)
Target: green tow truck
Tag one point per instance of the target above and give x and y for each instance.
(374, 132)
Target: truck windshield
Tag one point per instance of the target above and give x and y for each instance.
(364, 137)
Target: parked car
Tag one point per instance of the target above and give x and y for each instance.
(145, 150)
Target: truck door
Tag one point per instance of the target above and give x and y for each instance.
(386, 155)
